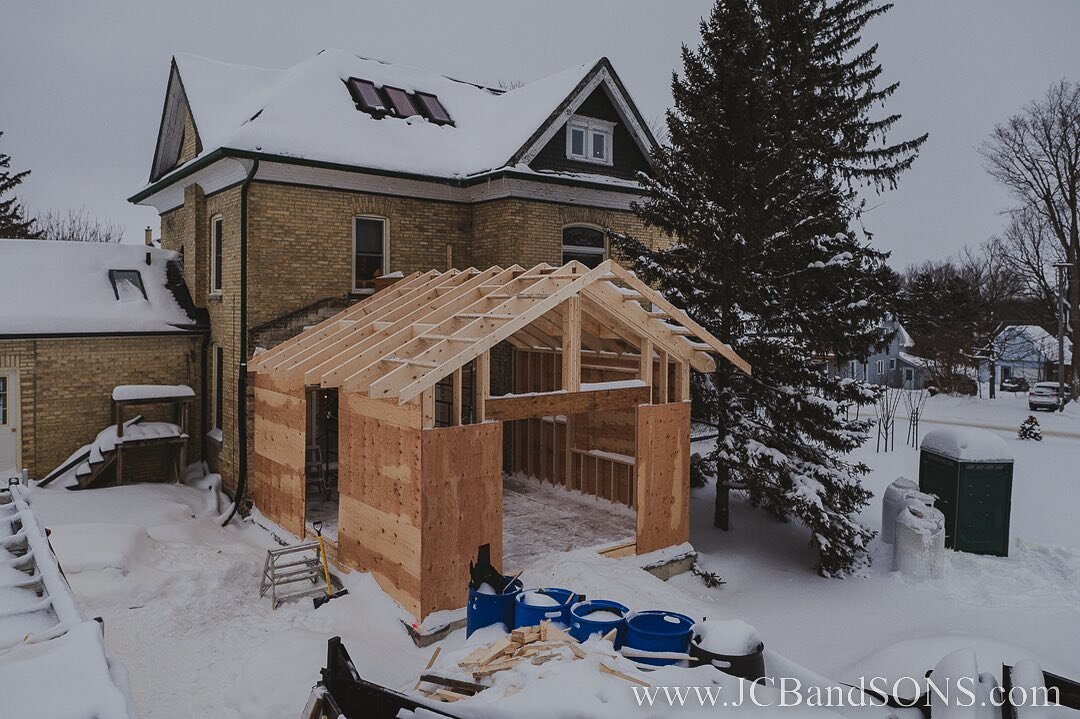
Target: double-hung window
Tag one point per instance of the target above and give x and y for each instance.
(589, 139)
(217, 241)
(369, 251)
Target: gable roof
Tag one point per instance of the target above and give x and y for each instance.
(408, 337)
(306, 112)
(1021, 342)
(63, 288)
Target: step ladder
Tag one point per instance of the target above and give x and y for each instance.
(290, 566)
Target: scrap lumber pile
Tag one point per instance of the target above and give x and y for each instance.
(536, 645)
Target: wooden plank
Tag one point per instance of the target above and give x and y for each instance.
(663, 475)
(461, 509)
(455, 413)
(662, 380)
(571, 345)
(682, 382)
(544, 404)
(645, 363)
(482, 385)
(428, 403)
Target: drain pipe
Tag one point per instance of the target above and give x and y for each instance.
(241, 380)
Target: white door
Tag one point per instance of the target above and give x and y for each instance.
(9, 423)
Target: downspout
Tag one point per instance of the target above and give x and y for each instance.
(204, 400)
(241, 380)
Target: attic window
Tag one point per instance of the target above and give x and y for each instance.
(589, 139)
(366, 96)
(127, 285)
(401, 102)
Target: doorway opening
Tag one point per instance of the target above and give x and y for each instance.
(321, 462)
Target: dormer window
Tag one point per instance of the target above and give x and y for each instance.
(589, 139)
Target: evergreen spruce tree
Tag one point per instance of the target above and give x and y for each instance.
(1030, 429)
(770, 137)
(12, 222)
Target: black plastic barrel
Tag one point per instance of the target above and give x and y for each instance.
(747, 666)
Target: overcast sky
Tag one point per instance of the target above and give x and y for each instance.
(82, 83)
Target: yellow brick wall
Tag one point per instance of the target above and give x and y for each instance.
(300, 245)
(66, 387)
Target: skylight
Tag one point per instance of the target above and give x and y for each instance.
(382, 101)
(127, 285)
(401, 102)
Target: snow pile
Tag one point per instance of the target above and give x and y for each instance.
(731, 637)
(71, 292)
(967, 444)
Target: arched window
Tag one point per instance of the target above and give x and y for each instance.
(584, 244)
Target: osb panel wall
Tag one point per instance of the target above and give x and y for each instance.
(379, 481)
(278, 482)
(663, 475)
(461, 508)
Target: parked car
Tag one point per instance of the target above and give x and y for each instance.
(1014, 384)
(1044, 395)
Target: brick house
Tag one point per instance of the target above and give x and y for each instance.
(79, 319)
(291, 193)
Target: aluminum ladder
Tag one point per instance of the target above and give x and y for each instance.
(287, 566)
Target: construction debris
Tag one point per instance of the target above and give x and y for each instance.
(536, 645)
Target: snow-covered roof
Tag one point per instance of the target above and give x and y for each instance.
(967, 444)
(913, 360)
(136, 392)
(1020, 342)
(44, 635)
(49, 288)
(307, 112)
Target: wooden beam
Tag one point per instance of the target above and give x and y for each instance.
(455, 416)
(646, 363)
(429, 408)
(546, 404)
(682, 382)
(571, 345)
(482, 382)
(663, 379)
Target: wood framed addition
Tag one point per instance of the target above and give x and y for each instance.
(600, 404)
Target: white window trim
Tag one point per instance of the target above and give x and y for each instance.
(881, 367)
(216, 291)
(590, 125)
(385, 249)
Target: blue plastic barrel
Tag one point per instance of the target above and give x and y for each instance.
(487, 609)
(526, 615)
(582, 627)
(658, 631)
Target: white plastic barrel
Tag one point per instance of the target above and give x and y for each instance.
(919, 544)
(896, 496)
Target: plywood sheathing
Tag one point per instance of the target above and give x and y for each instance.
(461, 509)
(278, 482)
(663, 475)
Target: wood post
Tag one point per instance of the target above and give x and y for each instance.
(663, 379)
(682, 382)
(428, 398)
(455, 417)
(571, 341)
(482, 380)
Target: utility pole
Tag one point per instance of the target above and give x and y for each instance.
(1062, 279)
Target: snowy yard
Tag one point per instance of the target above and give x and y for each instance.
(179, 594)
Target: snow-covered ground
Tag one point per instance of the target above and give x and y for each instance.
(179, 594)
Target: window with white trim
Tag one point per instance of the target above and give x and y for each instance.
(881, 367)
(589, 139)
(217, 240)
(892, 363)
(584, 244)
(369, 251)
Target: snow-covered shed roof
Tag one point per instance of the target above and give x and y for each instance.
(78, 288)
(967, 444)
(1030, 342)
(307, 112)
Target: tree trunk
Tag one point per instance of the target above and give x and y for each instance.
(993, 379)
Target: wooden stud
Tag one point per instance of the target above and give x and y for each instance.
(662, 382)
(482, 380)
(428, 398)
(455, 417)
(682, 382)
(571, 345)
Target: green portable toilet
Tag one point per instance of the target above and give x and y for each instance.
(970, 472)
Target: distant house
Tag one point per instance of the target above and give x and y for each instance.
(893, 365)
(1028, 352)
(77, 319)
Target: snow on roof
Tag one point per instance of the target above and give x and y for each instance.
(1018, 342)
(913, 360)
(44, 635)
(307, 112)
(49, 287)
(967, 444)
(128, 392)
